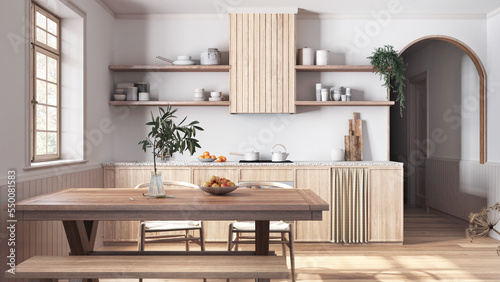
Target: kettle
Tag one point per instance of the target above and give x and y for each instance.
(279, 156)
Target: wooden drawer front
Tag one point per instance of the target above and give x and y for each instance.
(385, 205)
(319, 181)
(175, 174)
(268, 174)
(130, 177)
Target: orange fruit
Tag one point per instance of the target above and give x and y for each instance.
(200, 157)
(213, 157)
(206, 153)
(223, 158)
(219, 160)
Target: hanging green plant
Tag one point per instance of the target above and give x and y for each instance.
(391, 68)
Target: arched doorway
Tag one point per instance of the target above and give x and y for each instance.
(435, 86)
(482, 86)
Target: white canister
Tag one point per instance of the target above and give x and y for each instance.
(324, 94)
(306, 56)
(143, 96)
(343, 97)
(318, 91)
(211, 56)
(131, 93)
(322, 57)
(337, 155)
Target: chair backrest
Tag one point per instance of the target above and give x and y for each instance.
(169, 183)
(264, 184)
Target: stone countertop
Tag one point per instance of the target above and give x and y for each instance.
(233, 164)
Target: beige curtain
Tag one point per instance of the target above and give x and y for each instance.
(350, 205)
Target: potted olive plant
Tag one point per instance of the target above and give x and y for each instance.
(166, 138)
(391, 68)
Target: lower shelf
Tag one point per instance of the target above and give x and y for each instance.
(171, 103)
(344, 103)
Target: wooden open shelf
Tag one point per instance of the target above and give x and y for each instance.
(335, 68)
(172, 103)
(345, 103)
(169, 68)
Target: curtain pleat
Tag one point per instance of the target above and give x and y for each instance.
(350, 209)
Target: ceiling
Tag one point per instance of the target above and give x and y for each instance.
(351, 7)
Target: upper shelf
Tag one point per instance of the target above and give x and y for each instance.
(345, 103)
(170, 68)
(335, 68)
(171, 103)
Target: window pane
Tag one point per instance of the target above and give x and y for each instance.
(41, 36)
(52, 118)
(51, 143)
(51, 69)
(41, 20)
(41, 117)
(41, 91)
(41, 143)
(51, 26)
(52, 94)
(41, 66)
(52, 41)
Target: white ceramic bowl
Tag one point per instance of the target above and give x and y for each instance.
(206, 160)
(120, 97)
(183, 58)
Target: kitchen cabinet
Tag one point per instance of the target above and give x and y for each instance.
(215, 231)
(319, 181)
(262, 60)
(266, 174)
(385, 205)
(384, 187)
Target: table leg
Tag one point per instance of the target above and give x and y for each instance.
(81, 237)
(262, 241)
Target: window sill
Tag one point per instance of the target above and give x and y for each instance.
(57, 163)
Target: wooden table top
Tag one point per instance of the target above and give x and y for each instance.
(192, 204)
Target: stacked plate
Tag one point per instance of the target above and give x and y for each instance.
(199, 94)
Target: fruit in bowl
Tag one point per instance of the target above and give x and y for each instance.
(218, 185)
(207, 157)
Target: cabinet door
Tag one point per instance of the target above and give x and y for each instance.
(215, 230)
(385, 205)
(262, 59)
(319, 181)
(266, 174)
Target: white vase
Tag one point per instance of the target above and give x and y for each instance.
(337, 155)
(156, 185)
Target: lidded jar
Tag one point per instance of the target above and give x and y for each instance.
(211, 56)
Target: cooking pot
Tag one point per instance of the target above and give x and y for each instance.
(279, 156)
(249, 156)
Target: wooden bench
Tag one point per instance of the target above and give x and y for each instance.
(49, 268)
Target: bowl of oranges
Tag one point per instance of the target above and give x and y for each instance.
(207, 157)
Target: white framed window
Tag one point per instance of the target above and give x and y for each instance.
(45, 93)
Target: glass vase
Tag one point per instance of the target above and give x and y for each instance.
(156, 185)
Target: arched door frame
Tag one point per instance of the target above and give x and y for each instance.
(482, 86)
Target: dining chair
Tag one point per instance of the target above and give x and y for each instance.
(170, 226)
(240, 232)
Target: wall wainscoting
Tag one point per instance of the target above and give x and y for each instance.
(41, 237)
(459, 187)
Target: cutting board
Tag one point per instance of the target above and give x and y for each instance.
(354, 141)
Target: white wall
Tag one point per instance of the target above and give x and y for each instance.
(493, 69)
(313, 131)
(14, 78)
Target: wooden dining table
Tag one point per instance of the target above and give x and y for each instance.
(80, 210)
